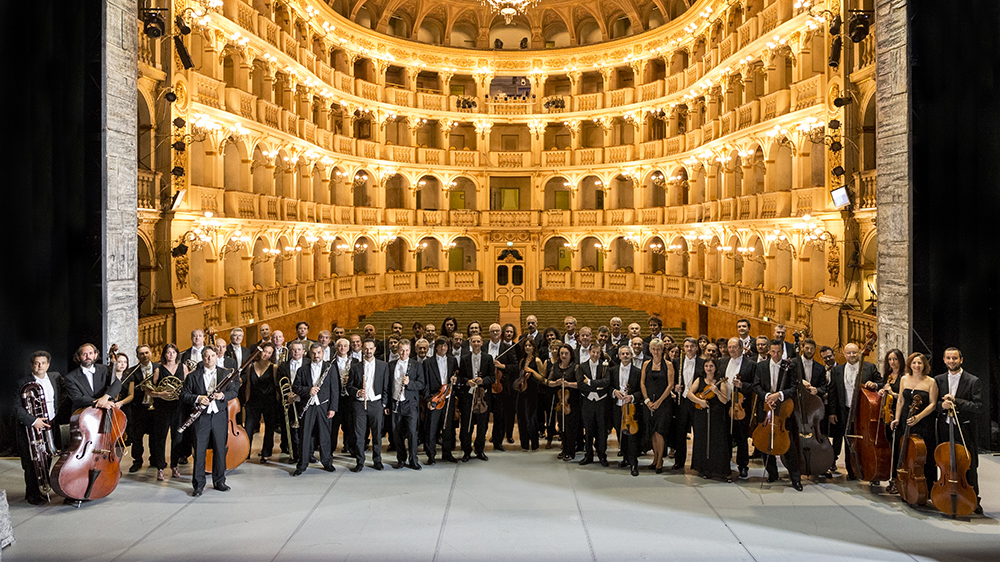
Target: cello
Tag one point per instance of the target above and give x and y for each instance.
(237, 441)
(952, 494)
(771, 436)
(816, 454)
(910, 478)
(870, 450)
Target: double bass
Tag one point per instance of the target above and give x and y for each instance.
(952, 493)
(910, 480)
(237, 441)
(771, 436)
(816, 454)
(90, 467)
(870, 449)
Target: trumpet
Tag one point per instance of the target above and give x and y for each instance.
(41, 444)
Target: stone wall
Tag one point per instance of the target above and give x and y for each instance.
(892, 150)
(120, 55)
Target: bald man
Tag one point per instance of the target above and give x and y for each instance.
(844, 382)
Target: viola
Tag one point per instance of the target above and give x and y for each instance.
(629, 422)
(237, 442)
(771, 436)
(910, 478)
(90, 467)
(737, 411)
(889, 402)
(952, 493)
(440, 398)
(497, 386)
(479, 405)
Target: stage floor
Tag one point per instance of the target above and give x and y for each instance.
(516, 506)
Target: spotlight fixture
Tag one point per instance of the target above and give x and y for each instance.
(179, 146)
(834, 124)
(836, 146)
(835, 46)
(182, 53)
(835, 24)
(180, 250)
(152, 23)
(179, 122)
(857, 25)
(838, 171)
(842, 101)
(170, 97)
(185, 29)
(177, 171)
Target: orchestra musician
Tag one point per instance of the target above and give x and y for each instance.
(407, 386)
(562, 377)
(658, 386)
(52, 387)
(264, 331)
(512, 361)
(526, 405)
(893, 371)
(688, 367)
(844, 379)
(345, 412)
(439, 370)
(627, 388)
(502, 404)
(90, 384)
(211, 428)
(773, 385)
(593, 379)
(302, 335)
(166, 416)
(369, 385)
(262, 401)
(711, 453)
(531, 331)
(235, 350)
(738, 369)
(319, 397)
(918, 382)
(223, 360)
(787, 348)
(280, 349)
(141, 418)
(747, 343)
(961, 390)
(476, 369)
(288, 370)
(192, 355)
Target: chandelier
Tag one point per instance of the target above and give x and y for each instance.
(509, 8)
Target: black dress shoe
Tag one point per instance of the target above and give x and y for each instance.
(378, 466)
(197, 492)
(569, 458)
(222, 488)
(978, 510)
(771, 479)
(510, 441)
(604, 463)
(797, 485)
(466, 457)
(482, 456)
(329, 468)
(635, 470)
(398, 465)
(413, 466)
(499, 447)
(182, 461)
(431, 461)
(659, 470)
(298, 471)
(744, 473)
(36, 500)
(449, 458)
(312, 458)
(677, 467)
(135, 467)
(586, 460)
(622, 464)
(357, 467)
(560, 456)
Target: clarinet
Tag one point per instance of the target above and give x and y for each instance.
(319, 384)
(199, 408)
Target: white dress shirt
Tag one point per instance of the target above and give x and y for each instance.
(210, 382)
(316, 369)
(494, 349)
(326, 353)
(593, 396)
(570, 339)
(623, 373)
(293, 366)
(369, 367)
(89, 373)
(442, 363)
(196, 353)
(733, 371)
(851, 380)
(397, 380)
(475, 370)
(238, 353)
(807, 369)
(688, 372)
(50, 394)
(775, 373)
(953, 380)
(356, 355)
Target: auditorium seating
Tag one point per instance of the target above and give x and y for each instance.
(552, 313)
(485, 312)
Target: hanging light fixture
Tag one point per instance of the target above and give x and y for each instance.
(509, 8)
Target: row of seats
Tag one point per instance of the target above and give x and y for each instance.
(486, 312)
(553, 313)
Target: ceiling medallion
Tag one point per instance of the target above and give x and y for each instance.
(509, 8)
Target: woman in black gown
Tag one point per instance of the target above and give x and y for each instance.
(527, 399)
(918, 382)
(711, 452)
(893, 373)
(657, 377)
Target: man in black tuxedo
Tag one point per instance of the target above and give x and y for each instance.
(616, 338)
(746, 341)
(193, 353)
(302, 335)
(235, 350)
(141, 421)
(962, 391)
(655, 324)
(594, 378)
(739, 372)
(774, 384)
(474, 370)
(381, 347)
(439, 370)
(787, 348)
(688, 367)
(369, 386)
(407, 386)
(810, 371)
(51, 384)
(844, 382)
(288, 369)
(211, 428)
(539, 338)
(502, 405)
(345, 412)
(319, 393)
(225, 361)
(91, 384)
(626, 381)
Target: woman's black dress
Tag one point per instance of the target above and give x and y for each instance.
(711, 453)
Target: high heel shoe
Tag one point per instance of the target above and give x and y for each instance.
(175, 473)
(159, 475)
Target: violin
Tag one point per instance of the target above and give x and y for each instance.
(952, 493)
(771, 436)
(90, 467)
(707, 393)
(440, 398)
(629, 423)
(910, 478)
(521, 383)
(889, 402)
(871, 452)
(479, 405)
(497, 386)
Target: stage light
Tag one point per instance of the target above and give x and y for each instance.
(153, 24)
(182, 53)
(185, 29)
(857, 26)
(842, 101)
(838, 171)
(835, 25)
(834, 124)
(835, 52)
(179, 146)
(177, 171)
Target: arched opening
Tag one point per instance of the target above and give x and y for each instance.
(363, 192)
(591, 193)
(395, 255)
(868, 136)
(869, 275)
(429, 195)
(395, 192)
(655, 190)
(464, 256)
(678, 182)
(812, 269)
(284, 264)
(757, 173)
(509, 35)
(622, 256)
(429, 257)
(621, 26)
(236, 278)
(556, 256)
(462, 195)
(778, 273)
(232, 164)
(261, 176)
(558, 193)
(780, 175)
(622, 193)
(262, 269)
(655, 252)
(696, 188)
(588, 32)
(145, 137)
(677, 257)
(364, 246)
(202, 272)
(554, 30)
(337, 178)
(463, 35)
(431, 31)
(713, 260)
(145, 290)
(591, 254)
(753, 266)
